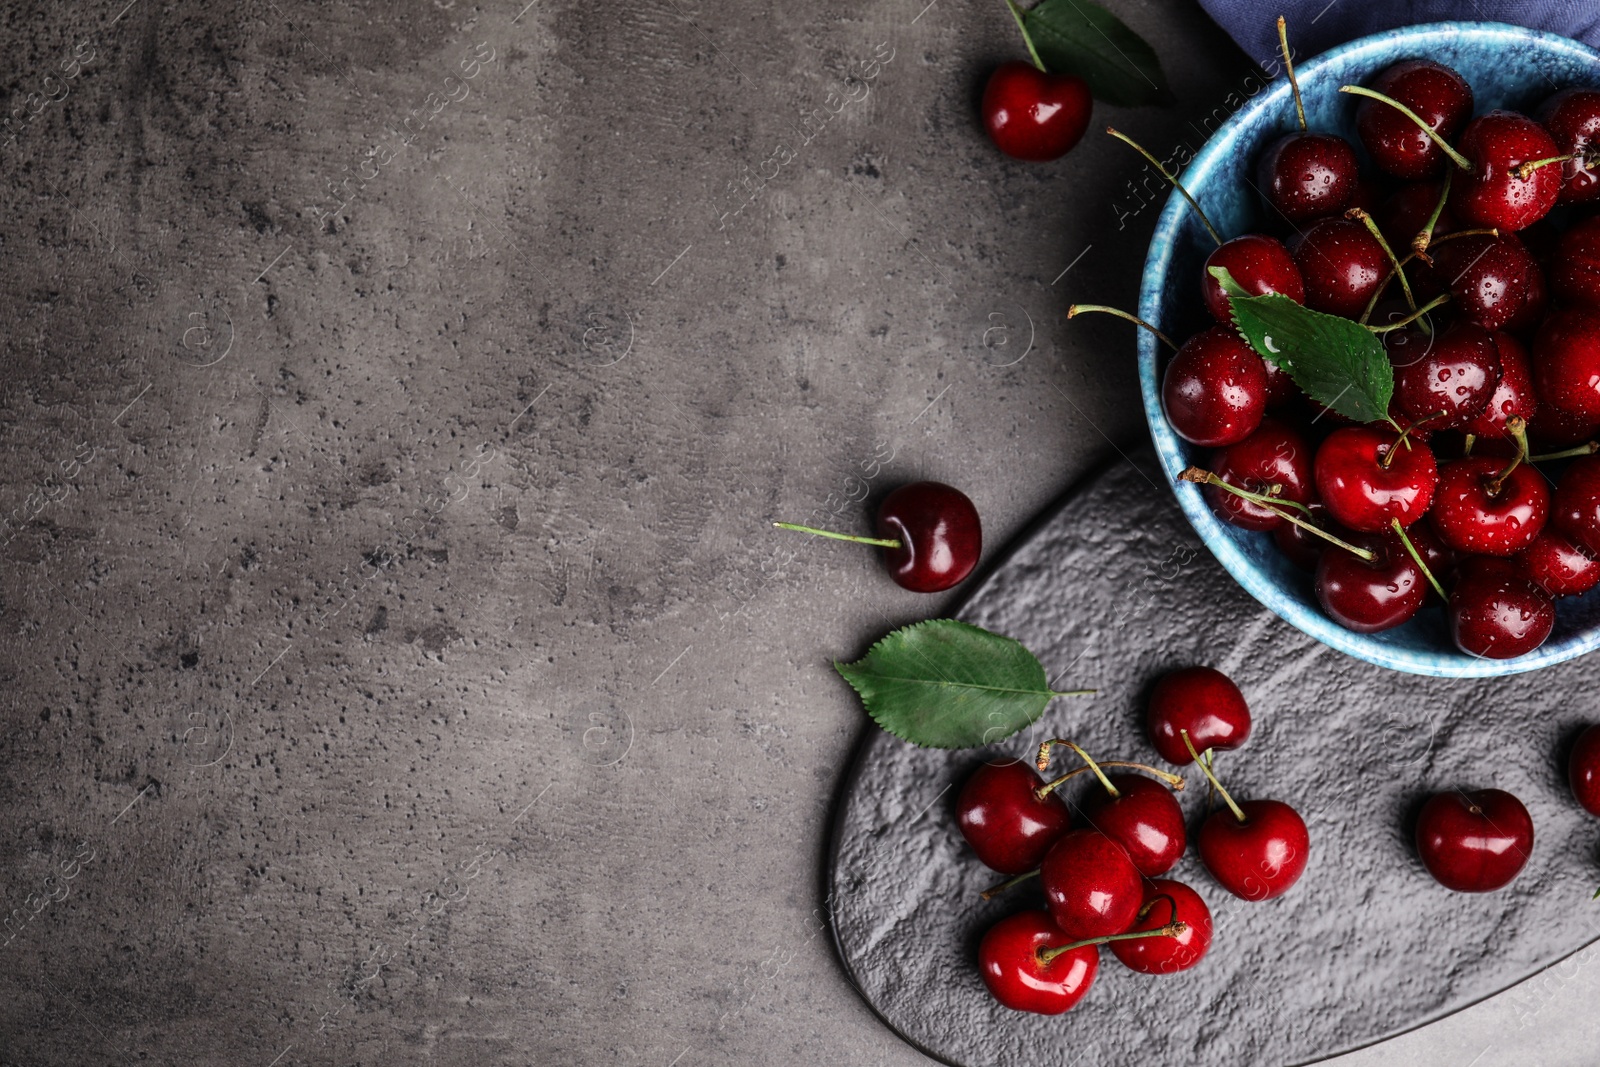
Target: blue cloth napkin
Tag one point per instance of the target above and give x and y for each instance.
(1317, 25)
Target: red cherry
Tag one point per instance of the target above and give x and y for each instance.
(939, 534)
(1091, 886)
(1575, 510)
(1258, 263)
(1438, 557)
(1201, 701)
(1342, 265)
(1407, 210)
(1166, 900)
(1360, 492)
(1443, 379)
(1032, 115)
(1552, 428)
(1144, 818)
(1493, 193)
(1572, 118)
(1398, 146)
(1476, 510)
(1005, 821)
(1567, 372)
(1214, 390)
(1513, 394)
(1583, 770)
(1489, 278)
(1474, 842)
(1575, 267)
(1559, 567)
(1370, 596)
(1308, 175)
(1259, 857)
(1009, 958)
(1275, 454)
(1496, 613)
(1303, 549)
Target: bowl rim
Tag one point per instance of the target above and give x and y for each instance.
(1163, 241)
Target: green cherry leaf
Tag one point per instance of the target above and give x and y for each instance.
(1338, 362)
(1083, 38)
(948, 684)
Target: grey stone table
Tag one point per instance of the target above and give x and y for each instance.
(398, 664)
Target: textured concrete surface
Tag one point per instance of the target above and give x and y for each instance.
(398, 663)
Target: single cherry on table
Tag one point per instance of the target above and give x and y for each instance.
(1029, 964)
(929, 532)
(1583, 770)
(1033, 115)
(1257, 849)
(1474, 842)
(1201, 702)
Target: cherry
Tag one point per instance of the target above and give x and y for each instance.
(1143, 817)
(929, 532)
(1496, 613)
(1370, 595)
(1443, 379)
(1165, 901)
(1215, 389)
(1438, 557)
(1365, 478)
(1033, 115)
(1260, 264)
(1275, 454)
(1567, 372)
(1559, 567)
(1499, 191)
(1302, 547)
(1483, 507)
(1583, 770)
(1437, 94)
(1308, 175)
(1474, 842)
(1005, 820)
(1011, 958)
(1257, 849)
(1554, 428)
(1575, 510)
(1572, 118)
(1407, 210)
(1575, 267)
(1513, 394)
(1090, 885)
(1535, 303)
(1342, 265)
(1202, 702)
(1489, 278)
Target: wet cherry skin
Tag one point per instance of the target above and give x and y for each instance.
(1490, 279)
(1202, 701)
(1008, 959)
(939, 534)
(1399, 147)
(1575, 510)
(1258, 263)
(1342, 265)
(1308, 175)
(1362, 494)
(1214, 390)
(1491, 194)
(1275, 454)
(1004, 820)
(1575, 266)
(1471, 513)
(1513, 393)
(1474, 842)
(1035, 116)
(1369, 597)
(1260, 858)
(1144, 819)
(1558, 566)
(1090, 885)
(1583, 770)
(1444, 379)
(1167, 955)
(1496, 612)
(1572, 118)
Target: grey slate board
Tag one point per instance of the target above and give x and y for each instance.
(1111, 589)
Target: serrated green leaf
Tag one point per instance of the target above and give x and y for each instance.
(1338, 362)
(1083, 38)
(948, 684)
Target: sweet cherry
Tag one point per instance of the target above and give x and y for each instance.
(1583, 770)
(1567, 372)
(1005, 820)
(1572, 118)
(1499, 191)
(1366, 477)
(1481, 507)
(1302, 547)
(1490, 279)
(1090, 885)
(1166, 901)
(1215, 389)
(1443, 379)
(1033, 115)
(1256, 850)
(1370, 595)
(1474, 842)
(929, 533)
(1437, 94)
(1018, 970)
(1575, 267)
(1559, 567)
(1342, 265)
(1575, 510)
(1406, 211)
(1496, 612)
(1202, 702)
(1513, 394)
(1260, 264)
(1275, 454)
(1143, 817)
(1308, 175)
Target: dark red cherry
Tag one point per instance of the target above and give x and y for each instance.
(1575, 267)
(1214, 390)
(1144, 818)
(1583, 770)
(1572, 118)
(1370, 596)
(1567, 370)
(1477, 511)
(1513, 394)
(1494, 193)
(1010, 960)
(1308, 175)
(1258, 263)
(1575, 510)
(1035, 116)
(1535, 304)
(939, 534)
(1202, 701)
(1275, 454)
(1552, 429)
(1558, 566)
(1260, 857)
(1474, 842)
(1165, 901)
(1489, 278)
(1442, 380)
(1407, 210)
(1342, 265)
(1360, 492)
(1090, 885)
(1398, 146)
(1005, 821)
(1303, 549)
(1496, 613)
(1438, 557)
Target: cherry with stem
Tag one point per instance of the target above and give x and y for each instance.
(1051, 786)
(1172, 929)
(1455, 157)
(1272, 503)
(1394, 263)
(1416, 557)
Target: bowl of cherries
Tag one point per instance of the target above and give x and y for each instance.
(1371, 354)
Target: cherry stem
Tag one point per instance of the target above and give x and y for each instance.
(1417, 556)
(1525, 170)
(1203, 477)
(1394, 262)
(1466, 445)
(1288, 66)
(881, 542)
(1172, 929)
(1373, 302)
(1010, 883)
(1144, 910)
(1415, 315)
(1424, 237)
(1171, 179)
(1173, 780)
(1455, 157)
(1044, 761)
(1188, 744)
(1078, 309)
(1588, 448)
(1518, 429)
(1027, 39)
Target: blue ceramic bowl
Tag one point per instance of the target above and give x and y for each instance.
(1507, 66)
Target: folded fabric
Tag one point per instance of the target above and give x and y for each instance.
(1317, 25)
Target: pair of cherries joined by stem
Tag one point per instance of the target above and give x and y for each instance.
(929, 532)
